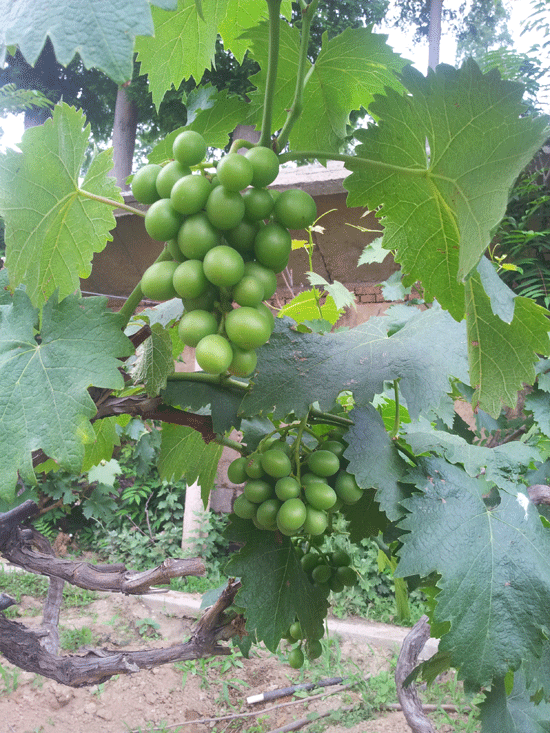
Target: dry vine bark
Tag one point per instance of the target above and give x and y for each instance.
(35, 650)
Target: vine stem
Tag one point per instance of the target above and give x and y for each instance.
(329, 418)
(112, 203)
(274, 8)
(301, 428)
(297, 106)
(216, 379)
(395, 428)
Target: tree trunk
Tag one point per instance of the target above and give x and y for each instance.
(434, 32)
(124, 137)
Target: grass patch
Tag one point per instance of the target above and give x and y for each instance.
(19, 584)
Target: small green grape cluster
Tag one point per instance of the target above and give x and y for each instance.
(291, 490)
(311, 645)
(229, 237)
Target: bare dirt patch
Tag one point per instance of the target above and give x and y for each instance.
(178, 697)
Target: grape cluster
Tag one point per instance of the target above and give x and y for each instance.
(229, 237)
(294, 490)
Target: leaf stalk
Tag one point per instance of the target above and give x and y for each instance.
(274, 8)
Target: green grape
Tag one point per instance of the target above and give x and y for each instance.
(248, 291)
(190, 193)
(190, 280)
(157, 281)
(162, 221)
(258, 491)
(204, 302)
(144, 184)
(267, 512)
(236, 471)
(295, 209)
(292, 515)
(225, 209)
(189, 148)
(334, 446)
(258, 204)
(244, 508)
(265, 165)
(335, 584)
(247, 327)
(173, 248)
(323, 463)
(264, 311)
(242, 237)
(347, 489)
(235, 172)
(320, 496)
(266, 276)
(276, 463)
(224, 267)
(194, 326)
(254, 467)
(347, 575)
(197, 236)
(287, 488)
(272, 246)
(316, 521)
(244, 362)
(214, 354)
(314, 649)
(296, 658)
(321, 573)
(168, 176)
(309, 561)
(295, 631)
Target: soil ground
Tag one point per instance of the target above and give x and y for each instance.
(179, 697)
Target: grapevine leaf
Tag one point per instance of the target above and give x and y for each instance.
(297, 369)
(342, 297)
(538, 403)
(394, 288)
(242, 14)
(501, 296)
(224, 403)
(493, 563)
(52, 227)
(373, 252)
(374, 460)
(102, 34)
(365, 518)
(154, 362)
(164, 313)
(268, 561)
(350, 69)
(439, 205)
(254, 429)
(305, 306)
(502, 464)
(184, 454)
(5, 293)
(105, 472)
(44, 400)
(502, 356)
(106, 437)
(183, 45)
(514, 713)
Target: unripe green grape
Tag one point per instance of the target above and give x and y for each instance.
(316, 521)
(265, 164)
(235, 172)
(310, 478)
(204, 302)
(264, 311)
(248, 291)
(236, 471)
(173, 247)
(334, 446)
(157, 281)
(244, 508)
(347, 575)
(295, 209)
(195, 325)
(258, 204)
(323, 463)
(258, 491)
(296, 658)
(242, 237)
(335, 584)
(189, 148)
(292, 515)
(247, 327)
(321, 573)
(272, 246)
(190, 193)
(225, 209)
(347, 489)
(254, 467)
(266, 276)
(276, 463)
(287, 488)
(223, 266)
(214, 354)
(244, 362)
(197, 236)
(340, 558)
(267, 512)
(190, 280)
(144, 184)
(162, 221)
(309, 561)
(295, 631)
(168, 176)
(320, 496)
(314, 649)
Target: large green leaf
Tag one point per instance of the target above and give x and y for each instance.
(268, 561)
(224, 403)
(101, 33)
(502, 355)
(44, 380)
(514, 713)
(184, 454)
(183, 45)
(493, 563)
(350, 69)
(440, 164)
(154, 362)
(295, 369)
(52, 227)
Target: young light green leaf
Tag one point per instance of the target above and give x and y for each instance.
(105, 472)
(51, 241)
(373, 252)
(493, 563)
(295, 370)
(268, 560)
(106, 437)
(439, 205)
(183, 45)
(501, 296)
(343, 298)
(44, 400)
(154, 362)
(184, 454)
(102, 34)
(502, 356)
(304, 307)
